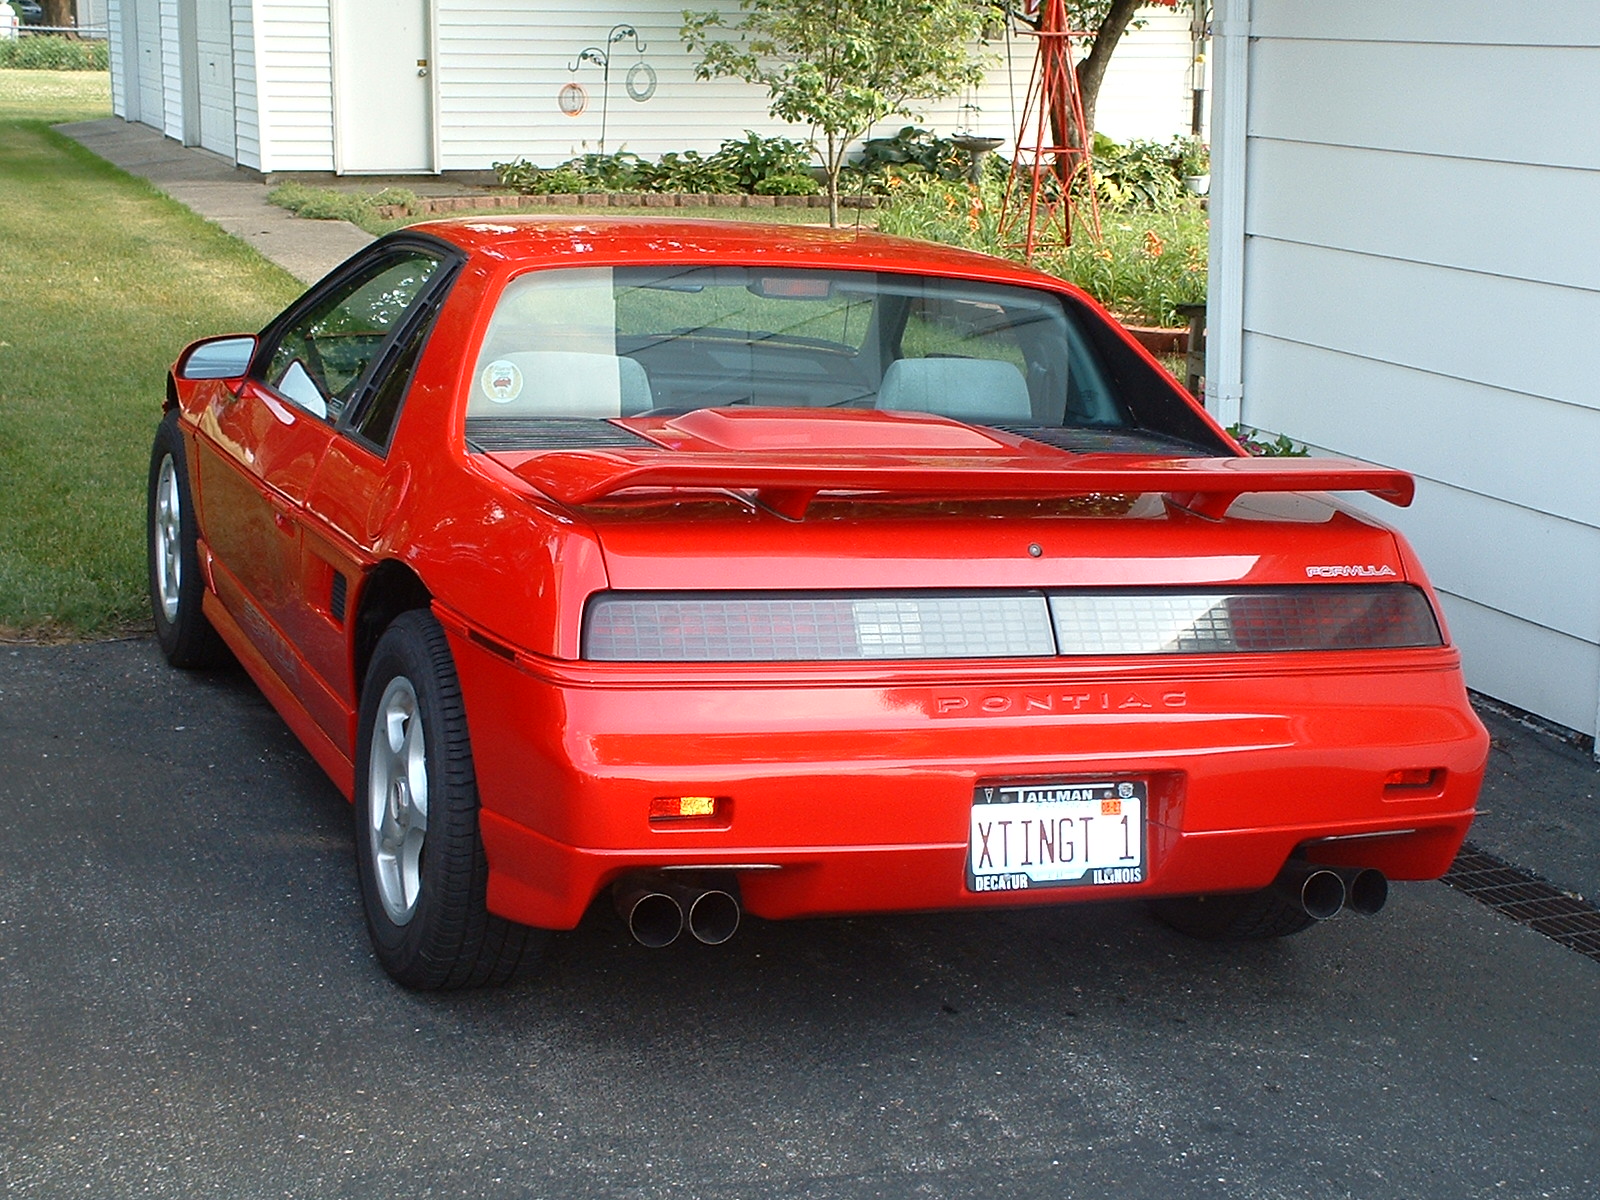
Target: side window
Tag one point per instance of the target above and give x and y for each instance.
(324, 354)
(375, 422)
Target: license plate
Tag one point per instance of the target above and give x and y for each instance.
(1043, 835)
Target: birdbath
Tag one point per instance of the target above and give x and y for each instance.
(977, 149)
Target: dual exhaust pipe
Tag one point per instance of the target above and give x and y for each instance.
(1323, 892)
(657, 908)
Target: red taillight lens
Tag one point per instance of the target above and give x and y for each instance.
(822, 627)
(624, 627)
(1254, 621)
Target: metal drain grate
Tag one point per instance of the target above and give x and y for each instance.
(1527, 899)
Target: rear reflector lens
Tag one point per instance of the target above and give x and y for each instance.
(788, 627)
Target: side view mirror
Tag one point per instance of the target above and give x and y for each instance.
(217, 358)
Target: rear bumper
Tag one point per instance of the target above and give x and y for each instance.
(849, 791)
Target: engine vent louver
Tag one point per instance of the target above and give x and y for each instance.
(490, 435)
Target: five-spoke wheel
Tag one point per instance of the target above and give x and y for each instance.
(418, 851)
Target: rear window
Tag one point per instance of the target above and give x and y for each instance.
(608, 342)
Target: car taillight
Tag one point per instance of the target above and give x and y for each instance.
(1255, 621)
(811, 627)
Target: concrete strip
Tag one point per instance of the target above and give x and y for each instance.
(232, 198)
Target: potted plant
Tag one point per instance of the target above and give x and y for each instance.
(1191, 160)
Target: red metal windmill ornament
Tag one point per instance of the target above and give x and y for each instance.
(1052, 147)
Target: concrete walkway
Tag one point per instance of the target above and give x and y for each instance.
(234, 199)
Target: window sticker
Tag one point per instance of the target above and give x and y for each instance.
(502, 381)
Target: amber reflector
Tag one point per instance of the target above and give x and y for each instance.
(1413, 777)
(675, 808)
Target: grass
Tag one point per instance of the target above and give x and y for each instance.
(54, 95)
(104, 280)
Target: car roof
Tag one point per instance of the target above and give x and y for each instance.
(554, 241)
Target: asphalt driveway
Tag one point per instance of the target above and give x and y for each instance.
(188, 1008)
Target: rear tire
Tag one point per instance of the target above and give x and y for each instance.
(1235, 917)
(419, 854)
(185, 634)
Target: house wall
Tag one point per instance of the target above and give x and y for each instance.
(1406, 269)
(115, 32)
(246, 87)
(293, 67)
(502, 63)
(499, 65)
(171, 72)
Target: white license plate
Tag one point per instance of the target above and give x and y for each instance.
(1054, 834)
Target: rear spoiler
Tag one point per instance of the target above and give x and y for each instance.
(787, 483)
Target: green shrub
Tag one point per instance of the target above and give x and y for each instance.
(1267, 445)
(619, 171)
(754, 158)
(916, 149)
(520, 176)
(1141, 174)
(49, 52)
(686, 172)
(787, 185)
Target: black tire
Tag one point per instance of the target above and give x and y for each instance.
(418, 851)
(172, 535)
(1235, 917)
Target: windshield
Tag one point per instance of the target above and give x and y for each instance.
(608, 342)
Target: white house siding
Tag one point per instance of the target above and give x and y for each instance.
(246, 112)
(501, 64)
(145, 76)
(294, 86)
(171, 72)
(1146, 92)
(1407, 270)
(118, 62)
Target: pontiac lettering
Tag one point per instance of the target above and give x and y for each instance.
(1021, 704)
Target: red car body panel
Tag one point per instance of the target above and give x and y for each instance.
(840, 786)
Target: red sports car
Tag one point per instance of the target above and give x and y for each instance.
(807, 573)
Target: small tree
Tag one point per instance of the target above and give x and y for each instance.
(841, 65)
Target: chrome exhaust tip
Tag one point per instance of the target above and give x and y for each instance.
(651, 912)
(713, 916)
(1319, 892)
(1366, 890)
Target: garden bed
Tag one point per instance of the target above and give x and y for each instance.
(430, 206)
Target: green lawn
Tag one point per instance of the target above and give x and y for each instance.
(54, 95)
(102, 282)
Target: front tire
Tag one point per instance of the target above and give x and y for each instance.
(183, 631)
(418, 851)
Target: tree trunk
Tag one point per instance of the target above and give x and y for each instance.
(57, 12)
(832, 165)
(1092, 70)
